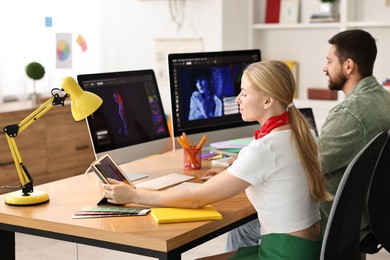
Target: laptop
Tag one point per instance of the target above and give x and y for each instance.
(308, 113)
(131, 123)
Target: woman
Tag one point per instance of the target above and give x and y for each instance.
(279, 170)
(204, 103)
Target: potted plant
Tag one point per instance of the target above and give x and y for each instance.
(35, 71)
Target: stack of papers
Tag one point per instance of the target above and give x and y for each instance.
(233, 146)
(99, 212)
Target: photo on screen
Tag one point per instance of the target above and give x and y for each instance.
(204, 87)
(131, 122)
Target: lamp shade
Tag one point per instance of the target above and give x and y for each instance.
(84, 103)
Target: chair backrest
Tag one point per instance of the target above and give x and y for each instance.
(378, 199)
(342, 233)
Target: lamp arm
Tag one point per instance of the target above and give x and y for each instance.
(12, 131)
(24, 176)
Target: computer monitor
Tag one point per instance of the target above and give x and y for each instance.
(203, 90)
(131, 123)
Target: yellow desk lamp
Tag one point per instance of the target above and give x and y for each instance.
(83, 104)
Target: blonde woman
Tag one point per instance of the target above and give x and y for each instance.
(279, 170)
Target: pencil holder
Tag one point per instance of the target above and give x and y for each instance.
(192, 158)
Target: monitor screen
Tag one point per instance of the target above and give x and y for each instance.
(308, 113)
(203, 90)
(131, 122)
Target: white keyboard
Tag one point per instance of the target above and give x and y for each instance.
(164, 181)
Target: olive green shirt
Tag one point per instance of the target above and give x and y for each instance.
(348, 128)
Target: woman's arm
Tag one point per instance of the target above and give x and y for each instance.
(213, 171)
(220, 187)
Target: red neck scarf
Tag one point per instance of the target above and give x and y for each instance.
(271, 124)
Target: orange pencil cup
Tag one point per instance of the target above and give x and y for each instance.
(192, 158)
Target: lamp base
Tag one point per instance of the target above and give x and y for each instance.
(17, 198)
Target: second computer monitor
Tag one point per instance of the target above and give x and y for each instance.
(131, 123)
(203, 88)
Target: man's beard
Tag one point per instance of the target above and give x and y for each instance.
(338, 82)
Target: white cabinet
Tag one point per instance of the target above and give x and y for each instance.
(307, 43)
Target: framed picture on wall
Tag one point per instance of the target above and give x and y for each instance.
(289, 11)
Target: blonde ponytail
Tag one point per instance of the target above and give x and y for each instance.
(274, 79)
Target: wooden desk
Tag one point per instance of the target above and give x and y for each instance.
(138, 234)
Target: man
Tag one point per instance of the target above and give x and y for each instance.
(349, 126)
(360, 117)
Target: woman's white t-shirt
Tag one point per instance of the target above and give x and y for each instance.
(279, 188)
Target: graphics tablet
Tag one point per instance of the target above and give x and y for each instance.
(105, 167)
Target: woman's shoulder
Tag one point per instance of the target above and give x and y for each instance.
(196, 94)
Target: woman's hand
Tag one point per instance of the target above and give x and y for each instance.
(118, 192)
(214, 171)
(211, 172)
(232, 159)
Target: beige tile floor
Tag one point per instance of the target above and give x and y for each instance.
(37, 248)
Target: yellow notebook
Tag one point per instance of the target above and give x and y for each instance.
(172, 215)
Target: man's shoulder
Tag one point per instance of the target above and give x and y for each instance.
(369, 98)
(365, 110)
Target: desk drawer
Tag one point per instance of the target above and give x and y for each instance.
(69, 147)
(69, 158)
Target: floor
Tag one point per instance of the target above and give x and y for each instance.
(37, 248)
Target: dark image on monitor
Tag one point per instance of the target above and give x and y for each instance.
(131, 112)
(204, 87)
(211, 92)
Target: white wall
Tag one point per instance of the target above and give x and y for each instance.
(24, 39)
(120, 35)
(131, 27)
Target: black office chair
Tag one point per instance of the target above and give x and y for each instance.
(378, 201)
(342, 233)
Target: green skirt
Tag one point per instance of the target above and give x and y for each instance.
(281, 247)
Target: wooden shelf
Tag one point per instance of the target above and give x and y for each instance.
(350, 24)
(361, 24)
(276, 26)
